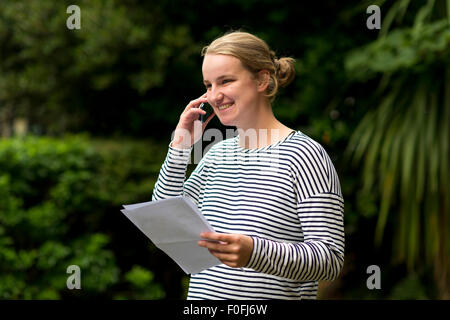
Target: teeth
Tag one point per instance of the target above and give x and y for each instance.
(224, 106)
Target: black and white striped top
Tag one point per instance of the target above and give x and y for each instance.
(286, 196)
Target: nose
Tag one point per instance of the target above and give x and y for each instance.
(215, 96)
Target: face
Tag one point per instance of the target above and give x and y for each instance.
(231, 90)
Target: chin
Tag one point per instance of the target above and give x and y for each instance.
(227, 122)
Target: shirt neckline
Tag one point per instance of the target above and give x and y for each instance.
(273, 145)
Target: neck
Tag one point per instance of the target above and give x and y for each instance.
(263, 130)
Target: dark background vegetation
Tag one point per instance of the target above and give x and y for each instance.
(86, 118)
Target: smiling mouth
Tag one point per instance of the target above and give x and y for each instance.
(225, 106)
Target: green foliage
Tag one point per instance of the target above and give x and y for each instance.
(403, 140)
(132, 67)
(56, 198)
(143, 286)
(185, 285)
(409, 288)
(409, 49)
(47, 70)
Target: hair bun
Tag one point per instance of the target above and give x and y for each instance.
(285, 70)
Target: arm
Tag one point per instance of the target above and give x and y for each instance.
(171, 179)
(172, 174)
(320, 210)
(320, 255)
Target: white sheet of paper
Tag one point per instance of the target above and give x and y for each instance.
(174, 225)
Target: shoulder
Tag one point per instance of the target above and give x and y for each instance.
(301, 148)
(311, 166)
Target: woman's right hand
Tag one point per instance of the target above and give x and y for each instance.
(189, 129)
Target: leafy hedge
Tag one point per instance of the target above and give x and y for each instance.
(59, 206)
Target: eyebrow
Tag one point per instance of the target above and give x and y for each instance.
(218, 78)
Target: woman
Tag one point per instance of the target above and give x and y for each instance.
(274, 201)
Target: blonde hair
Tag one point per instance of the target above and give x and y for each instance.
(255, 55)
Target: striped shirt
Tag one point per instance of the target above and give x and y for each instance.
(286, 196)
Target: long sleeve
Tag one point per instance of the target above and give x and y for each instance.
(171, 180)
(320, 210)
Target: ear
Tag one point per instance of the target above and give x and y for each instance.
(263, 80)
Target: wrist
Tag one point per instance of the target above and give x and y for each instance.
(177, 143)
(178, 146)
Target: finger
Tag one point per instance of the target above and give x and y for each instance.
(224, 256)
(193, 114)
(196, 103)
(215, 246)
(216, 236)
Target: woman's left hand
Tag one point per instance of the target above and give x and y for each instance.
(234, 250)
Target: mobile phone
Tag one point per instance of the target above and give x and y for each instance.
(209, 110)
